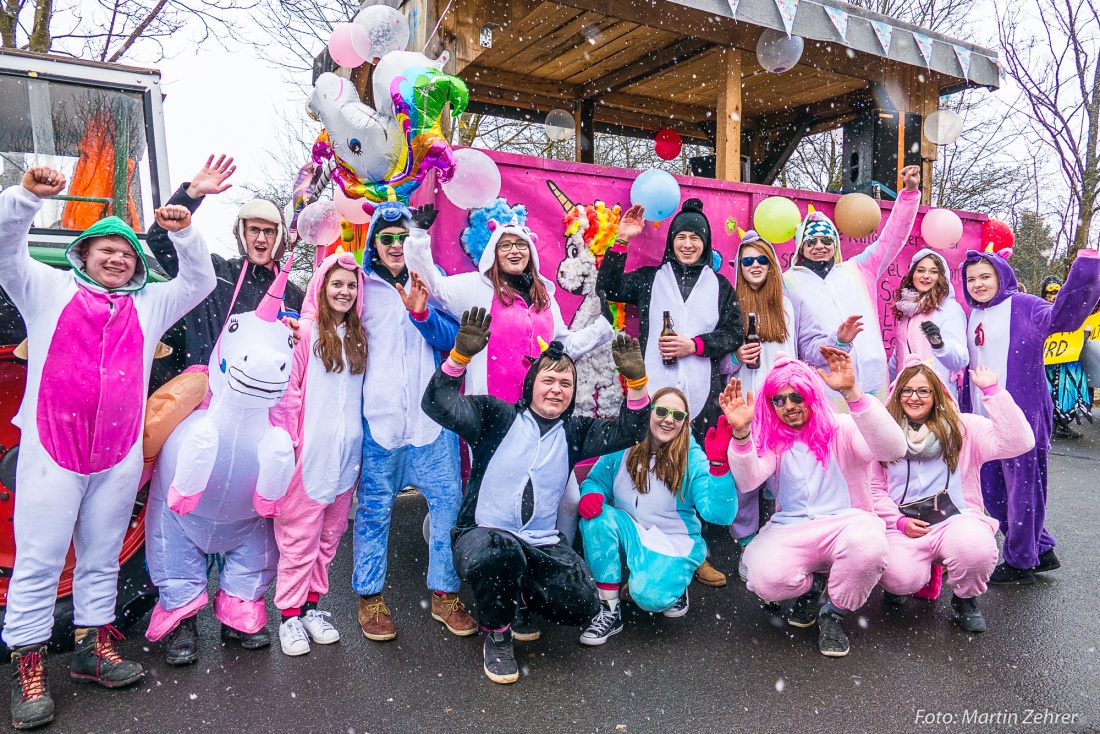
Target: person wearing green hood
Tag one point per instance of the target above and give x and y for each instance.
(91, 336)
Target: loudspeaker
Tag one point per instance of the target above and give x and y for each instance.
(870, 150)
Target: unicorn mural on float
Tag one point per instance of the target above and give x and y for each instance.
(589, 231)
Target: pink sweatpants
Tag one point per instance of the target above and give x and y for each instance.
(307, 534)
(963, 544)
(851, 548)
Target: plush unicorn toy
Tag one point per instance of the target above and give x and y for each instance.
(221, 476)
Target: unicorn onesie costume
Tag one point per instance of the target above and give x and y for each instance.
(219, 480)
(90, 351)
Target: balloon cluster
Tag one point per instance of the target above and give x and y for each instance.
(376, 31)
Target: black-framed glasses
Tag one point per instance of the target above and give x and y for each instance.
(747, 262)
(255, 232)
(518, 245)
(920, 392)
(389, 239)
(678, 416)
(823, 241)
(780, 400)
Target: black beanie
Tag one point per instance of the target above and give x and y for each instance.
(691, 219)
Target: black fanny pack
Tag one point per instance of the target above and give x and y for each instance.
(932, 510)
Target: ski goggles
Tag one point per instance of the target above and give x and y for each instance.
(780, 400)
(678, 416)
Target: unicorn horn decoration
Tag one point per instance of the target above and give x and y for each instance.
(566, 204)
(272, 303)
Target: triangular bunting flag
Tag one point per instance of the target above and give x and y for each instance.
(840, 21)
(787, 10)
(885, 33)
(924, 45)
(963, 55)
(733, 8)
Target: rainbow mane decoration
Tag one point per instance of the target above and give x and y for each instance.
(597, 226)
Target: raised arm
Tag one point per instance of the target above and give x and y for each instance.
(1006, 434)
(877, 257)
(28, 283)
(195, 279)
(748, 468)
(598, 437)
(446, 290)
(613, 279)
(211, 179)
(876, 436)
(714, 496)
(443, 400)
(1079, 295)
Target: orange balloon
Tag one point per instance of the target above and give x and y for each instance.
(857, 215)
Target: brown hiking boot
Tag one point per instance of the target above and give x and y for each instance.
(375, 619)
(708, 575)
(447, 608)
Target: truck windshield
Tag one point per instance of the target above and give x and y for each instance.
(96, 136)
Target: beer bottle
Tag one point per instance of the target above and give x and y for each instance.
(751, 337)
(667, 330)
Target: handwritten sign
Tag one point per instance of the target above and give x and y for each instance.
(1065, 346)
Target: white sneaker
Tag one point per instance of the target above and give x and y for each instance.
(318, 627)
(678, 609)
(292, 637)
(742, 569)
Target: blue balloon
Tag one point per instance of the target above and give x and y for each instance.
(658, 192)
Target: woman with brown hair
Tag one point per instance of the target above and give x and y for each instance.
(931, 499)
(326, 425)
(641, 506)
(510, 286)
(930, 322)
(784, 324)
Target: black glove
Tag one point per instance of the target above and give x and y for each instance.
(932, 332)
(473, 332)
(424, 216)
(627, 354)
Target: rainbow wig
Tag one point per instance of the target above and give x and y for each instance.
(774, 435)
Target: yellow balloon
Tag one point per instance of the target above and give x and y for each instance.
(776, 219)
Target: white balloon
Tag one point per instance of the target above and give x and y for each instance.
(319, 223)
(777, 52)
(943, 127)
(387, 29)
(560, 125)
(476, 182)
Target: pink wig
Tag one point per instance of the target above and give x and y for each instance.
(776, 436)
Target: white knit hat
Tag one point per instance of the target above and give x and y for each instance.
(266, 210)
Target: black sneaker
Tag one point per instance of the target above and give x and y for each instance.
(31, 705)
(606, 623)
(1006, 575)
(523, 627)
(248, 640)
(183, 643)
(1047, 562)
(679, 609)
(894, 600)
(96, 661)
(831, 639)
(500, 659)
(967, 615)
(804, 612)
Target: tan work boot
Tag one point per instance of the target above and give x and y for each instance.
(375, 619)
(708, 575)
(447, 608)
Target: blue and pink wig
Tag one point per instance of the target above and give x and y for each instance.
(773, 435)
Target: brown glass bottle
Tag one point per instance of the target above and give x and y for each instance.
(751, 337)
(667, 330)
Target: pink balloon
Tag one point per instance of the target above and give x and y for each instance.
(339, 46)
(941, 229)
(350, 209)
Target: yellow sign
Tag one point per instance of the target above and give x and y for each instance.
(1066, 346)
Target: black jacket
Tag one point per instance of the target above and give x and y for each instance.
(636, 286)
(194, 336)
(484, 421)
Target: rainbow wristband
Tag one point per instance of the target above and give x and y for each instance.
(637, 384)
(460, 358)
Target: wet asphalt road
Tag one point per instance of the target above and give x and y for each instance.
(727, 666)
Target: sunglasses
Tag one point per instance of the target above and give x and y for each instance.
(823, 241)
(920, 392)
(678, 416)
(747, 262)
(780, 400)
(389, 239)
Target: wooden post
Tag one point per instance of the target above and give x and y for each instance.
(727, 147)
(586, 133)
(927, 103)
